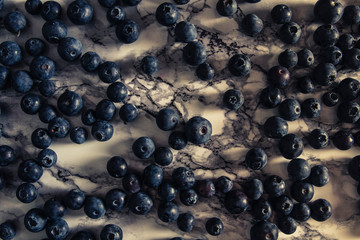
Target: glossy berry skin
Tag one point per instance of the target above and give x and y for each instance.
(78, 135)
(90, 61)
(7, 230)
(117, 92)
(198, 130)
(305, 58)
(183, 178)
(127, 31)
(302, 191)
(88, 117)
(128, 112)
(21, 81)
(42, 68)
(214, 226)
(205, 188)
(94, 207)
(343, 140)
(261, 209)
(131, 183)
(311, 108)
(189, 197)
(140, 203)
(102, 130)
(35, 220)
(177, 140)
(34, 46)
(330, 99)
(167, 119)
(223, 184)
(256, 158)
(351, 14)
(283, 205)
(70, 103)
(270, 97)
(281, 14)
(321, 210)
(83, 235)
(274, 186)
(54, 208)
(287, 224)
(328, 11)
(352, 59)
(59, 127)
(26, 193)
(194, 53)
(47, 113)
(326, 35)
(51, 10)
(298, 169)
(115, 199)
(348, 112)
(185, 32)
(236, 201)
(41, 138)
(331, 55)
(57, 229)
(168, 212)
(152, 176)
(253, 188)
(10, 53)
(318, 139)
(111, 232)
(233, 99)
(69, 49)
(186, 222)
(14, 22)
(305, 85)
(291, 146)
(301, 212)
(7, 155)
(289, 109)
(288, 58)
(55, 30)
(166, 14)
(167, 191)
(290, 33)
(349, 89)
(33, 6)
(143, 147)
(239, 65)
(264, 230)
(252, 25)
(109, 72)
(278, 76)
(47, 158)
(205, 71)
(80, 12)
(319, 175)
(105, 110)
(115, 14)
(163, 156)
(30, 171)
(74, 199)
(226, 8)
(117, 167)
(275, 127)
(149, 65)
(4, 77)
(30, 103)
(346, 42)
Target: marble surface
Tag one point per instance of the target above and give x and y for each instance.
(176, 85)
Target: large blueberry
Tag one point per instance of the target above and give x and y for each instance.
(109, 72)
(7, 230)
(290, 33)
(51, 10)
(236, 201)
(275, 127)
(33, 6)
(131, 183)
(90, 61)
(321, 210)
(205, 71)
(55, 30)
(42, 68)
(300, 212)
(167, 119)
(205, 188)
(78, 135)
(41, 138)
(239, 65)
(117, 92)
(305, 58)
(34, 46)
(283, 205)
(152, 176)
(143, 147)
(70, 103)
(167, 14)
(278, 76)
(349, 89)
(331, 55)
(194, 53)
(88, 117)
(274, 186)
(298, 169)
(140, 203)
(111, 232)
(35, 220)
(252, 25)
(328, 11)
(288, 58)
(270, 97)
(47, 157)
(105, 110)
(74, 199)
(57, 229)
(223, 184)
(198, 130)
(59, 127)
(54, 208)
(80, 12)
(168, 212)
(261, 209)
(128, 112)
(15, 22)
(226, 8)
(351, 14)
(94, 207)
(189, 197)
(348, 112)
(186, 222)
(291, 146)
(281, 14)
(253, 188)
(149, 64)
(177, 140)
(256, 158)
(127, 31)
(69, 49)
(115, 14)
(29, 171)
(264, 230)
(117, 167)
(311, 108)
(30, 103)
(233, 99)
(324, 74)
(185, 32)
(102, 130)
(115, 199)
(326, 35)
(21, 81)
(183, 178)
(167, 191)
(26, 193)
(319, 175)
(163, 156)
(290, 109)
(10, 53)
(7, 155)
(302, 191)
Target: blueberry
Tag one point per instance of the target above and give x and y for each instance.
(198, 130)
(256, 158)
(351, 59)
(318, 139)
(343, 140)
(253, 188)
(287, 224)
(183, 178)
(26, 193)
(290, 33)
(111, 232)
(330, 99)
(321, 210)
(283, 205)
(152, 176)
(69, 49)
(252, 25)
(189, 197)
(94, 207)
(131, 183)
(167, 119)
(328, 11)
(117, 167)
(278, 76)
(281, 14)
(88, 117)
(346, 42)
(226, 8)
(90, 61)
(261, 209)
(115, 14)
(35, 220)
(305, 85)
(275, 127)
(34, 46)
(270, 97)
(51, 10)
(311, 108)
(288, 58)
(223, 184)
(30, 103)
(168, 212)
(102, 130)
(127, 31)
(7, 230)
(131, 2)
(42, 68)
(351, 14)
(80, 12)
(10, 53)
(54, 208)
(167, 191)
(326, 35)
(143, 147)
(289, 109)
(186, 222)
(115, 199)
(233, 99)
(177, 140)
(181, 2)
(14, 22)
(55, 30)
(300, 212)
(107, 3)
(59, 127)
(57, 229)
(128, 112)
(167, 14)
(21, 81)
(349, 89)
(348, 112)
(274, 186)
(205, 71)
(236, 201)
(74, 199)
(319, 175)
(239, 65)
(33, 6)
(140, 203)
(291, 146)
(302, 191)
(298, 169)
(117, 92)
(331, 55)
(305, 58)
(70, 103)
(194, 53)
(264, 230)
(149, 65)
(41, 138)
(205, 188)
(47, 113)
(109, 72)
(163, 156)
(4, 77)
(185, 32)
(29, 171)
(83, 235)
(214, 226)
(47, 158)
(105, 110)
(78, 135)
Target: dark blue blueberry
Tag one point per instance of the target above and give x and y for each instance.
(117, 92)
(105, 110)
(346, 42)
(70, 103)
(41, 138)
(57, 229)
(94, 207)
(331, 55)
(349, 89)
(261, 209)
(59, 127)
(302, 191)
(311, 108)
(35, 220)
(288, 58)
(55, 30)
(10, 53)
(290, 33)
(83, 235)
(128, 112)
(239, 65)
(47, 158)
(253, 188)
(117, 167)
(21, 81)
(343, 140)
(328, 11)
(7, 155)
(305, 85)
(194, 53)
(42, 68)
(88, 117)
(54, 208)
(233, 99)
(177, 140)
(214, 226)
(30, 103)
(351, 14)
(7, 230)
(287, 224)
(330, 99)
(74, 199)
(4, 77)
(140, 203)
(189, 197)
(107, 3)
(168, 212)
(115, 14)
(354, 168)
(166, 191)
(351, 59)
(278, 76)
(69, 49)
(109, 72)
(291, 146)
(305, 58)
(33, 6)
(183, 178)
(298, 169)
(319, 175)
(186, 222)
(264, 230)
(111, 232)
(326, 35)
(289, 109)
(163, 156)
(226, 8)
(29, 171)
(270, 97)
(47, 113)
(198, 130)
(281, 14)
(152, 176)
(34, 46)
(149, 64)
(348, 112)
(143, 147)
(274, 186)
(167, 14)
(131, 183)
(127, 31)
(205, 188)
(51, 10)
(14, 22)
(90, 61)
(47, 88)
(236, 202)
(283, 205)
(167, 119)
(256, 158)
(321, 210)
(80, 12)
(115, 199)
(252, 25)
(185, 32)
(223, 184)
(300, 212)
(205, 71)
(102, 130)
(181, 2)
(78, 135)
(26, 193)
